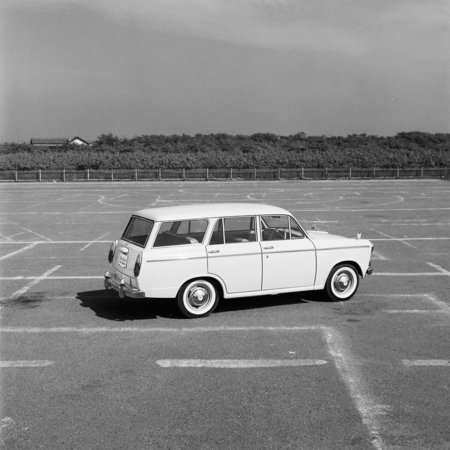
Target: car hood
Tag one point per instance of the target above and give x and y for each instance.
(322, 239)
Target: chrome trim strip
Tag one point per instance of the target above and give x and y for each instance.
(290, 251)
(238, 254)
(342, 248)
(181, 258)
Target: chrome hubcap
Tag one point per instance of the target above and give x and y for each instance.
(198, 296)
(343, 282)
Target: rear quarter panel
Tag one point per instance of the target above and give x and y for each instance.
(165, 269)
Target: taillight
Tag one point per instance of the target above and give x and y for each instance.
(111, 251)
(137, 265)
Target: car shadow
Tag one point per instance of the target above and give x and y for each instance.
(108, 305)
(269, 301)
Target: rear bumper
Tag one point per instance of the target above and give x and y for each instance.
(369, 270)
(124, 290)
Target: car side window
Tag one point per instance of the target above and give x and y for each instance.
(232, 230)
(239, 229)
(296, 231)
(275, 228)
(217, 234)
(181, 233)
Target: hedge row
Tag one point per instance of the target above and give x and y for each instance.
(241, 152)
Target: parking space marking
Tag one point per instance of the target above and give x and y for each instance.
(409, 274)
(35, 281)
(92, 242)
(426, 362)
(442, 305)
(37, 234)
(55, 242)
(36, 363)
(21, 250)
(369, 411)
(89, 330)
(348, 370)
(413, 311)
(238, 363)
(396, 239)
(435, 266)
(81, 277)
(377, 255)
(411, 239)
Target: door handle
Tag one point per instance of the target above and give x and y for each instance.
(213, 251)
(268, 248)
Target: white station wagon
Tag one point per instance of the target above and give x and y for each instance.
(198, 253)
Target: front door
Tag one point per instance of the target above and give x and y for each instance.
(234, 254)
(288, 256)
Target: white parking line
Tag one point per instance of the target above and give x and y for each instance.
(81, 277)
(412, 311)
(238, 363)
(150, 329)
(409, 274)
(442, 305)
(36, 280)
(55, 242)
(377, 255)
(412, 239)
(445, 272)
(396, 239)
(37, 234)
(28, 247)
(348, 370)
(35, 363)
(93, 242)
(426, 362)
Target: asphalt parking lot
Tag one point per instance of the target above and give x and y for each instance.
(82, 369)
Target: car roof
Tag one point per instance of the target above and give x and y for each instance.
(203, 210)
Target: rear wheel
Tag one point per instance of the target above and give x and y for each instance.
(342, 283)
(198, 298)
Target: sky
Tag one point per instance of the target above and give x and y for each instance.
(137, 67)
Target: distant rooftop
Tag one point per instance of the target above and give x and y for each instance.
(56, 142)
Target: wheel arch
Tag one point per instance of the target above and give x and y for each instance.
(217, 282)
(351, 263)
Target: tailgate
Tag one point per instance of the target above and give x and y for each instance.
(125, 257)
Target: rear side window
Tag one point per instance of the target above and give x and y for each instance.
(137, 231)
(181, 233)
(234, 230)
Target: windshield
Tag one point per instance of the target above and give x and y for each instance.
(138, 230)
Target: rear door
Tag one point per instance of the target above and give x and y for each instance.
(234, 254)
(288, 256)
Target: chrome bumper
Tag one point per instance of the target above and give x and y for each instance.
(369, 270)
(123, 289)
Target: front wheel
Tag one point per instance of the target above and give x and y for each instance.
(197, 298)
(342, 283)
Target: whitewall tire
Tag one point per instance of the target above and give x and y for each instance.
(198, 298)
(342, 283)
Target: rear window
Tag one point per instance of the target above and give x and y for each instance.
(138, 230)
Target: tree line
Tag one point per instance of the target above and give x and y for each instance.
(220, 150)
